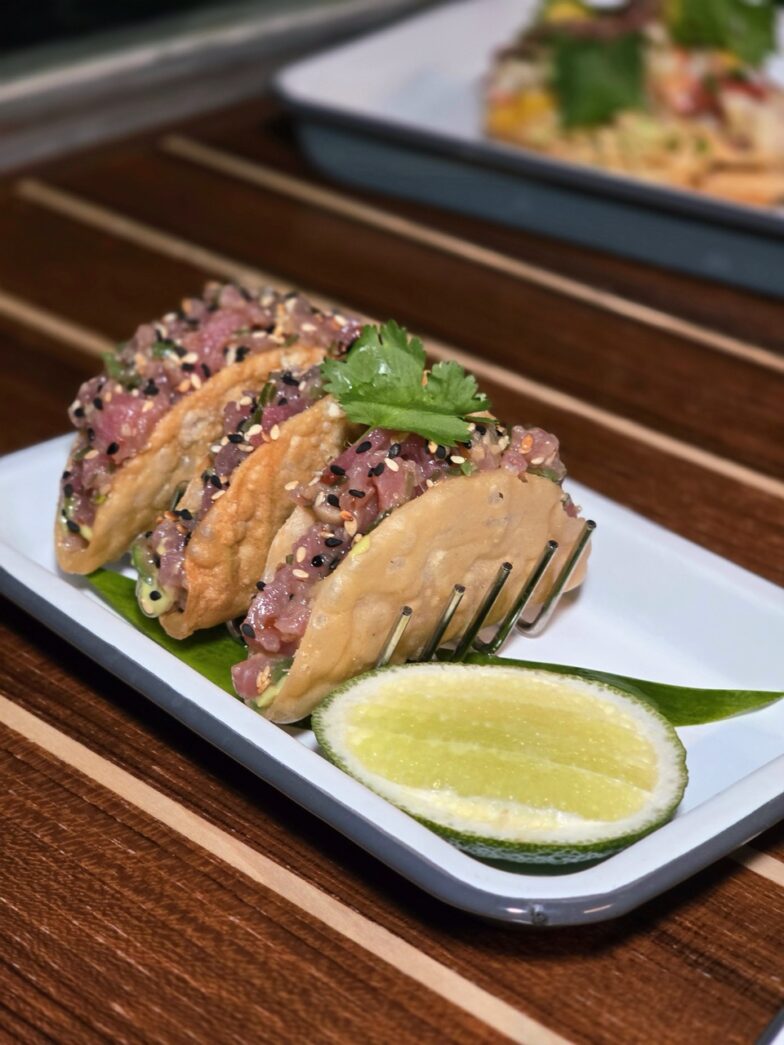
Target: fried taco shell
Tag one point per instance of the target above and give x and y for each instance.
(228, 548)
(144, 485)
(460, 531)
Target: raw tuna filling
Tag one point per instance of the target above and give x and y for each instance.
(249, 422)
(377, 474)
(116, 412)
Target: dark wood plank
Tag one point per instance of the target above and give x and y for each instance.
(144, 930)
(35, 408)
(613, 362)
(706, 951)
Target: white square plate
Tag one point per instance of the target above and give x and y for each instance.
(653, 606)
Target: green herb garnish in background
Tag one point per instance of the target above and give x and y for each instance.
(384, 383)
(747, 28)
(594, 80)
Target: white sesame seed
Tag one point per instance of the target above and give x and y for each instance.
(195, 380)
(392, 463)
(457, 459)
(432, 447)
(253, 430)
(301, 574)
(90, 455)
(147, 406)
(292, 485)
(537, 460)
(350, 526)
(191, 357)
(217, 494)
(245, 401)
(309, 327)
(215, 448)
(300, 555)
(333, 410)
(183, 386)
(274, 432)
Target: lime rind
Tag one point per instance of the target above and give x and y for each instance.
(511, 833)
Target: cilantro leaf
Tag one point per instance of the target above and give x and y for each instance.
(747, 29)
(595, 79)
(383, 383)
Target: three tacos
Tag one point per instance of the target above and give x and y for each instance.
(305, 495)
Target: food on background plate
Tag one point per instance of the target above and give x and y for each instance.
(199, 563)
(435, 492)
(508, 763)
(144, 425)
(682, 92)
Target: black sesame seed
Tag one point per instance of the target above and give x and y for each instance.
(363, 447)
(148, 534)
(241, 352)
(235, 437)
(66, 475)
(394, 450)
(441, 452)
(185, 514)
(334, 563)
(112, 448)
(215, 482)
(333, 499)
(205, 477)
(337, 470)
(205, 370)
(333, 542)
(288, 378)
(98, 403)
(318, 560)
(357, 493)
(156, 559)
(261, 585)
(155, 595)
(150, 389)
(68, 489)
(378, 469)
(90, 434)
(72, 526)
(188, 367)
(481, 429)
(179, 351)
(188, 536)
(282, 401)
(79, 411)
(248, 631)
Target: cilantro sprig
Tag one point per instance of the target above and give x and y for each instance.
(383, 383)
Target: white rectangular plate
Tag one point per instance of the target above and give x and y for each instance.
(654, 606)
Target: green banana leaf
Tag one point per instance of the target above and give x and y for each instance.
(682, 705)
(213, 652)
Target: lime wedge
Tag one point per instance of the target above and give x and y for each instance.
(508, 763)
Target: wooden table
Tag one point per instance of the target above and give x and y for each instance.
(151, 888)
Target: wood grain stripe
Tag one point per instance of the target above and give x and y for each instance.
(387, 221)
(373, 938)
(53, 325)
(139, 233)
(761, 863)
